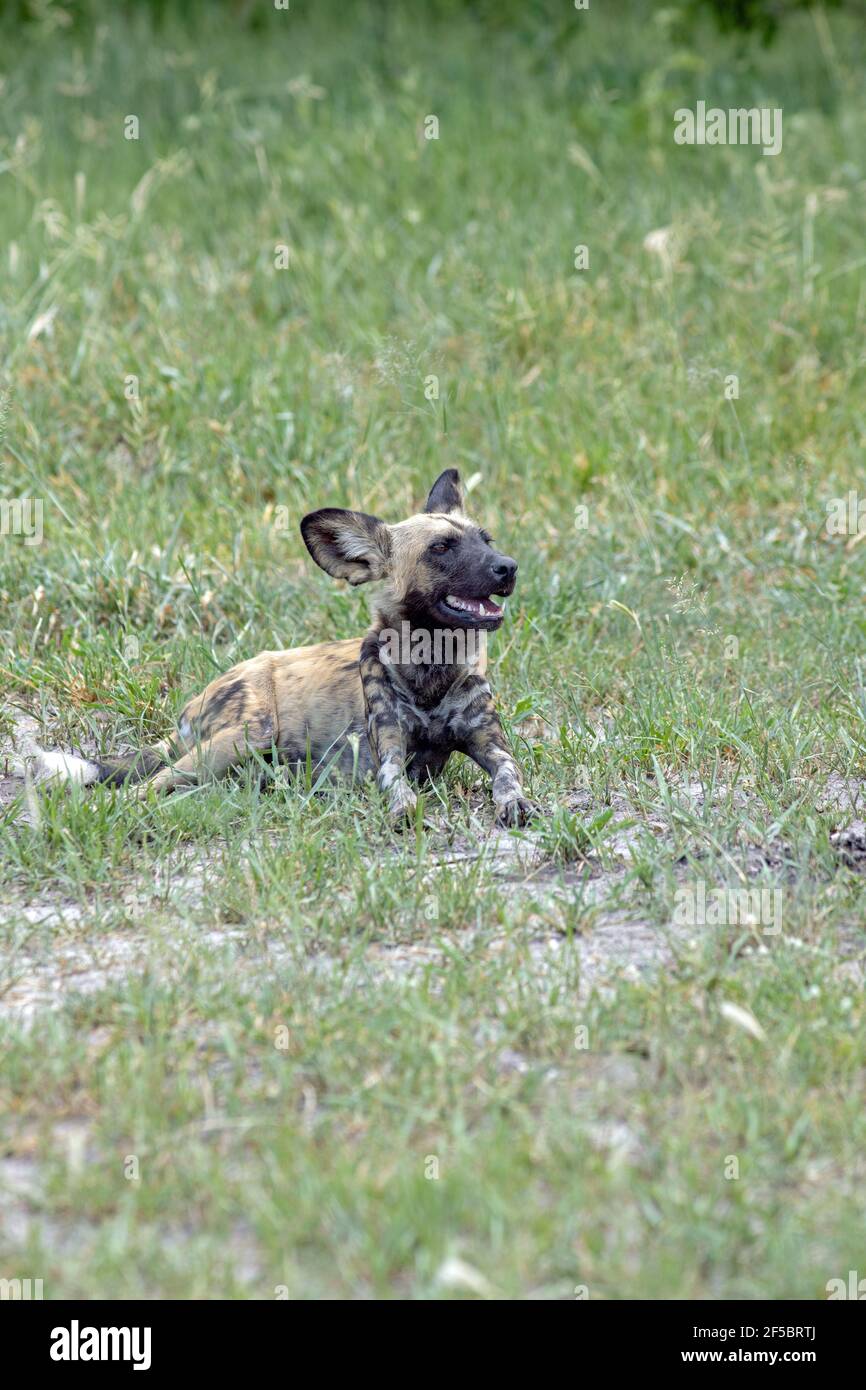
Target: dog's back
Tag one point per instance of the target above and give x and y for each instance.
(304, 702)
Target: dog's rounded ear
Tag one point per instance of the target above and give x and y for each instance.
(348, 545)
(446, 494)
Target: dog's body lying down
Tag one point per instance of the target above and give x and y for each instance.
(362, 704)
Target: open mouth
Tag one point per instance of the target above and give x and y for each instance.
(475, 610)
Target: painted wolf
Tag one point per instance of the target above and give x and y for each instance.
(364, 705)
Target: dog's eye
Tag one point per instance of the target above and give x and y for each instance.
(438, 548)
(488, 540)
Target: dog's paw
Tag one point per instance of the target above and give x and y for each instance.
(402, 805)
(515, 812)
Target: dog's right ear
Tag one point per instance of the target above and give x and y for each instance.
(446, 494)
(347, 545)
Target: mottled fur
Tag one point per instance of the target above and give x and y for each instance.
(347, 703)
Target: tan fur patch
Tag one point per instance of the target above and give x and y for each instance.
(409, 541)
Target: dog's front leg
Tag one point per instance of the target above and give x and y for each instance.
(485, 745)
(387, 741)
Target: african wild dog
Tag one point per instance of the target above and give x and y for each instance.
(350, 702)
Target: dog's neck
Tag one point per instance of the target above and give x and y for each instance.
(427, 660)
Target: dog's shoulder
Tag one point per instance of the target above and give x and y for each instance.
(323, 665)
(321, 655)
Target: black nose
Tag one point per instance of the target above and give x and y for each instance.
(504, 570)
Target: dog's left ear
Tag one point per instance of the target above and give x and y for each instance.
(446, 494)
(348, 545)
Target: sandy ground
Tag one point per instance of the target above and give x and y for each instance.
(55, 957)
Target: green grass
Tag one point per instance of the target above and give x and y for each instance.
(431, 1009)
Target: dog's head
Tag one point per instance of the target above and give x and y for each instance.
(440, 568)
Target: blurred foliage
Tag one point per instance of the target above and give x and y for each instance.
(762, 17)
